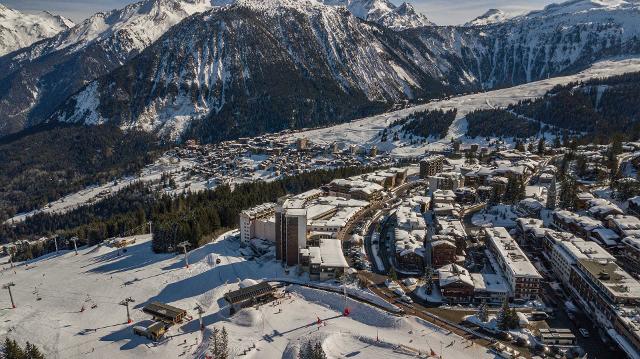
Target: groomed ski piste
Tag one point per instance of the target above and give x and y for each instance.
(68, 305)
(364, 132)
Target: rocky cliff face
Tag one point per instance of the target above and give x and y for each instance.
(248, 66)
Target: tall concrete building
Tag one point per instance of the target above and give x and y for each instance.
(291, 232)
(432, 165)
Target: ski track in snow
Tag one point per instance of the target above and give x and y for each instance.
(66, 283)
(364, 132)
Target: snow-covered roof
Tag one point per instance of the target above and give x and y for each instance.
(608, 236)
(635, 200)
(409, 241)
(453, 273)
(612, 278)
(632, 241)
(331, 253)
(514, 258)
(601, 206)
(485, 282)
(408, 216)
(260, 210)
(625, 223)
(577, 248)
(531, 204)
(585, 222)
(451, 227)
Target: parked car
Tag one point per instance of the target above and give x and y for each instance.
(584, 332)
(539, 316)
(505, 336)
(523, 342)
(398, 291)
(405, 298)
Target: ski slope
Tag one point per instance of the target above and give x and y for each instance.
(364, 132)
(78, 314)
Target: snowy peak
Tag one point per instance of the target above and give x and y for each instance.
(384, 13)
(493, 16)
(139, 24)
(573, 7)
(18, 30)
(404, 17)
(369, 9)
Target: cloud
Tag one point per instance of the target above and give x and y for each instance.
(443, 12)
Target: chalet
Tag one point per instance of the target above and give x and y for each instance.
(165, 312)
(456, 284)
(251, 295)
(443, 250)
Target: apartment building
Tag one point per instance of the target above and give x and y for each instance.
(431, 165)
(258, 222)
(521, 276)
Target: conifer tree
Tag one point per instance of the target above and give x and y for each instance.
(32, 352)
(541, 146)
(483, 313)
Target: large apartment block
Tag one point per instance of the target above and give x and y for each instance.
(257, 222)
(432, 165)
(603, 290)
(291, 232)
(522, 277)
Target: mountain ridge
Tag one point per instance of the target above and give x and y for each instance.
(19, 30)
(412, 62)
(432, 59)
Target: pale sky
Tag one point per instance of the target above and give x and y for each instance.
(442, 12)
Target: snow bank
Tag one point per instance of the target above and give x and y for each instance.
(360, 312)
(248, 317)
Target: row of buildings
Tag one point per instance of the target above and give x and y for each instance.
(271, 156)
(308, 229)
(606, 292)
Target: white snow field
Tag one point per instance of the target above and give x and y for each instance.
(67, 304)
(364, 132)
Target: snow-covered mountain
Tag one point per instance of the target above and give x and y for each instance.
(336, 65)
(404, 17)
(18, 30)
(260, 66)
(36, 79)
(385, 13)
(559, 39)
(492, 16)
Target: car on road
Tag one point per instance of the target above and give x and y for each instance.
(584, 332)
(539, 316)
(410, 282)
(523, 342)
(405, 298)
(506, 336)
